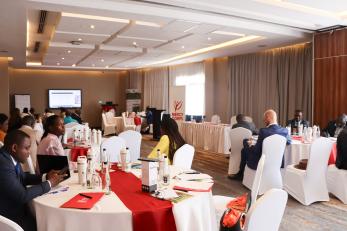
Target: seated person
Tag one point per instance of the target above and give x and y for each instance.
(14, 193)
(68, 119)
(77, 116)
(341, 146)
(50, 143)
(28, 123)
(241, 122)
(38, 125)
(25, 112)
(32, 111)
(334, 127)
(250, 154)
(294, 123)
(3, 126)
(170, 141)
(15, 121)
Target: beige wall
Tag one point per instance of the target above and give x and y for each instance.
(4, 86)
(96, 86)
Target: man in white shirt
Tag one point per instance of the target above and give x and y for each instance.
(28, 123)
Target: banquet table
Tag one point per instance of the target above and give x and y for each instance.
(207, 136)
(110, 213)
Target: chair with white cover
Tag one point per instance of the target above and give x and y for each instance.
(107, 127)
(220, 202)
(1, 144)
(184, 156)
(248, 119)
(127, 126)
(133, 142)
(233, 120)
(337, 182)
(308, 186)
(215, 119)
(273, 148)
(267, 212)
(8, 225)
(113, 145)
(237, 135)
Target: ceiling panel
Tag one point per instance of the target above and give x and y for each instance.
(68, 51)
(179, 26)
(332, 5)
(67, 61)
(128, 42)
(87, 39)
(79, 25)
(181, 48)
(152, 32)
(204, 29)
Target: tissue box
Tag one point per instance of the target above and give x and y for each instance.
(149, 174)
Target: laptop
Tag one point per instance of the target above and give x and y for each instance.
(48, 162)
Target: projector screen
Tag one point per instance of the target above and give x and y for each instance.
(64, 98)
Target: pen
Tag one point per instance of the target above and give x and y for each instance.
(84, 195)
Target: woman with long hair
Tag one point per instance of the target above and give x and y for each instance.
(15, 121)
(170, 141)
(50, 143)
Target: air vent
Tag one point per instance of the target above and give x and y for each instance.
(76, 42)
(42, 20)
(37, 46)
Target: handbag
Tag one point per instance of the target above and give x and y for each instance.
(234, 216)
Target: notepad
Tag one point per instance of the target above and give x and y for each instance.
(83, 201)
(194, 177)
(193, 186)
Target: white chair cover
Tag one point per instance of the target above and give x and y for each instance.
(8, 225)
(70, 125)
(220, 202)
(126, 125)
(133, 142)
(215, 119)
(310, 186)
(233, 120)
(237, 135)
(183, 157)
(107, 128)
(337, 182)
(273, 148)
(249, 119)
(267, 212)
(113, 145)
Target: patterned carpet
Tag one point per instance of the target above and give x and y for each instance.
(330, 215)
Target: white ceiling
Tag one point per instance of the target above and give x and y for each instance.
(133, 34)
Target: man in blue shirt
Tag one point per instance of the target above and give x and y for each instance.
(251, 154)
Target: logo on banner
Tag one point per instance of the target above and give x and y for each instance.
(177, 115)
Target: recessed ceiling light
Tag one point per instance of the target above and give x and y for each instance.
(73, 65)
(92, 26)
(93, 65)
(62, 58)
(227, 33)
(134, 43)
(34, 63)
(209, 38)
(69, 51)
(102, 60)
(182, 47)
(107, 67)
(58, 64)
(79, 39)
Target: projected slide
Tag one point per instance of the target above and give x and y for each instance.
(64, 98)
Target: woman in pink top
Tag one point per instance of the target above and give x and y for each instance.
(50, 143)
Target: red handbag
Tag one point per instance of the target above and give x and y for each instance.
(233, 218)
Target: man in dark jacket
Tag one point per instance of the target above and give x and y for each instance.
(241, 122)
(341, 148)
(14, 193)
(296, 121)
(251, 154)
(334, 127)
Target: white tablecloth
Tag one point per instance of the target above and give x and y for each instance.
(196, 213)
(295, 152)
(207, 136)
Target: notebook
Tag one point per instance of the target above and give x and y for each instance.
(83, 201)
(48, 162)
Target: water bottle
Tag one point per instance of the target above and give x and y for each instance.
(108, 180)
(318, 132)
(158, 153)
(90, 169)
(166, 172)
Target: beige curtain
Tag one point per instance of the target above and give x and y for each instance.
(279, 79)
(188, 70)
(156, 88)
(135, 79)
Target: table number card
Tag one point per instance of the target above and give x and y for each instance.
(149, 174)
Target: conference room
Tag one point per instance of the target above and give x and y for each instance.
(158, 115)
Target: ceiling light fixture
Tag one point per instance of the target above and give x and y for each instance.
(209, 38)
(93, 65)
(182, 47)
(210, 48)
(190, 28)
(10, 59)
(92, 27)
(58, 64)
(73, 65)
(102, 60)
(101, 18)
(107, 67)
(62, 58)
(227, 33)
(151, 24)
(28, 30)
(79, 39)
(34, 63)
(69, 51)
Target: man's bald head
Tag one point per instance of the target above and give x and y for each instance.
(270, 117)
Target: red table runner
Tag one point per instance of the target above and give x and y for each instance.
(149, 213)
(78, 151)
